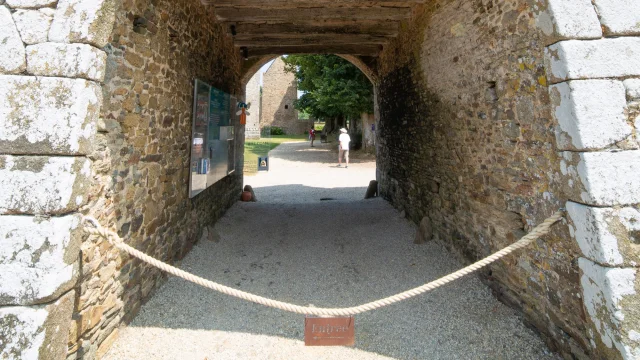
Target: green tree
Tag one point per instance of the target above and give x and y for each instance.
(333, 88)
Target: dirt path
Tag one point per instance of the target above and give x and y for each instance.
(293, 246)
(299, 173)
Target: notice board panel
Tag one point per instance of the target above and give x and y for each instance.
(212, 130)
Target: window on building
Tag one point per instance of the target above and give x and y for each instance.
(286, 106)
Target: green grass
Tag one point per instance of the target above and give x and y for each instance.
(256, 148)
(318, 126)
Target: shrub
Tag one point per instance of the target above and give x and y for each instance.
(277, 131)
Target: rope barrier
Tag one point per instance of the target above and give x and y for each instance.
(114, 239)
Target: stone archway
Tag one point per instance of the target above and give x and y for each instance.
(252, 65)
(253, 94)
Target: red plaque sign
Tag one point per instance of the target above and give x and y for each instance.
(337, 331)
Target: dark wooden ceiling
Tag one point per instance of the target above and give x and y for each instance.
(267, 27)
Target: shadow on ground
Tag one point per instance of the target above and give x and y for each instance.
(335, 253)
(301, 194)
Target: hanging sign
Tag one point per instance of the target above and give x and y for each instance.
(335, 331)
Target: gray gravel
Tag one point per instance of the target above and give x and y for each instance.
(294, 247)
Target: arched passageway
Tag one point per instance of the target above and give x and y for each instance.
(490, 115)
(312, 238)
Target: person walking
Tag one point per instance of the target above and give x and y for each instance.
(343, 148)
(312, 135)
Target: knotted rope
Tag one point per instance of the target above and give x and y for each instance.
(114, 239)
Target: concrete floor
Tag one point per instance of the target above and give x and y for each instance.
(295, 247)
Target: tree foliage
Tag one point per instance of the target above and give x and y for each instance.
(332, 86)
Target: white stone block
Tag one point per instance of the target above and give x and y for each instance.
(30, 4)
(12, 58)
(38, 258)
(590, 59)
(619, 17)
(610, 178)
(605, 291)
(33, 25)
(570, 19)
(604, 234)
(24, 324)
(633, 89)
(43, 185)
(48, 115)
(67, 60)
(83, 21)
(36, 332)
(590, 114)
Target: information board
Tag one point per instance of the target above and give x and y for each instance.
(213, 137)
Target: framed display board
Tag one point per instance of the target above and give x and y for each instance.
(212, 137)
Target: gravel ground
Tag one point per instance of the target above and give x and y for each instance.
(294, 247)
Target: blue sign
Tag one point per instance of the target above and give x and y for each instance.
(263, 163)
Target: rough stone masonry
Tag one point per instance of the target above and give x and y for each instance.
(490, 115)
(95, 104)
(522, 108)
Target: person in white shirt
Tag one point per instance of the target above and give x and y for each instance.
(343, 148)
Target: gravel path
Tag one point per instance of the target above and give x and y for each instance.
(294, 247)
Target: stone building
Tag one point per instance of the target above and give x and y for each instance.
(279, 92)
(490, 115)
(253, 97)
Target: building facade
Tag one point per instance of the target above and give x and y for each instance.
(279, 92)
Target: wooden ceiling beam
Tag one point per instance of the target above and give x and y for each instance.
(271, 4)
(253, 15)
(298, 39)
(350, 49)
(374, 28)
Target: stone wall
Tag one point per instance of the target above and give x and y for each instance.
(50, 98)
(466, 141)
(279, 91)
(141, 159)
(253, 97)
(595, 72)
(500, 149)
